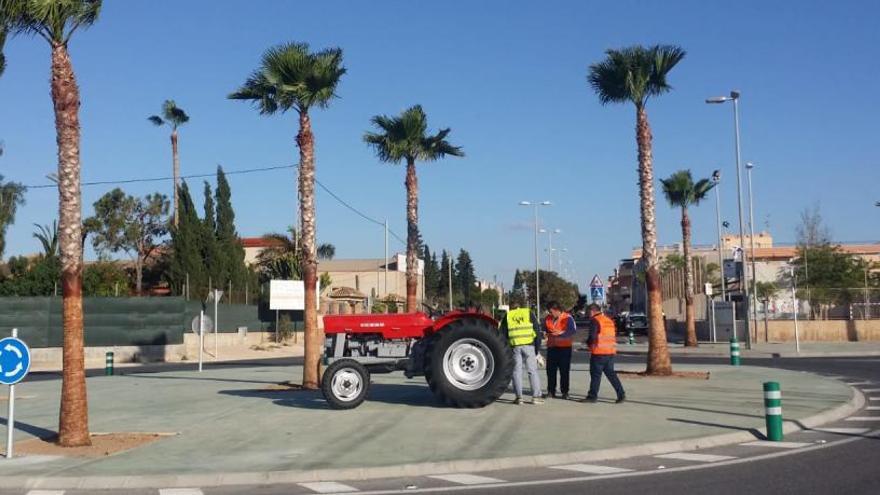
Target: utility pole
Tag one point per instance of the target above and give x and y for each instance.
(536, 204)
(449, 266)
(716, 178)
(754, 301)
(386, 256)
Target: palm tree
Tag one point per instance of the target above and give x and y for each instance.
(280, 259)
(48, 237)
(56, 21)
(635, 74)
(174, 117)
(682, 192)
(292, 77)
(326, 251)
(405, 138)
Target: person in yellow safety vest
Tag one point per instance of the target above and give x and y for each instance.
(603, 346)
(520, 326)
(559, 327)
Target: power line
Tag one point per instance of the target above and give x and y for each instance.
(158, 179)
(231, 172)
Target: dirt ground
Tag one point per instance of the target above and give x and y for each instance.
(103, 444)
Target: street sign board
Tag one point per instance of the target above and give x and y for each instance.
(287, 295)
(207, 324)
(597, 294)
(15, 360)
(596, 282)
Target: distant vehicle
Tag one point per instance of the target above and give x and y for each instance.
(636, 323)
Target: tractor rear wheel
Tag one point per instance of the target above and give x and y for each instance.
(468, 363)
(345, 384)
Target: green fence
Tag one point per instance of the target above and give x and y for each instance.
(126, 321)
(109, 321)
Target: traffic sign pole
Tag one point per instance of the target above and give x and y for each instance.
(18, 372)
(201, 336)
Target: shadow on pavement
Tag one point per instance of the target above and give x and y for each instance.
(407, 395)
(41, 433)
(753, 431)
(198, 378)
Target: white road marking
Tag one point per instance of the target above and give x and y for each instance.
(872, 408)
(328, 487)
(859, 383)
(873, 398)
(466, 479)
(690, 456)
(592, 469)
(779, 445)
(863, 418)
(180, 491)
(46, 492)
(871, 390)
(845, 431)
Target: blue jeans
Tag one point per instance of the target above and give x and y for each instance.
(598, 366)
(525, 353)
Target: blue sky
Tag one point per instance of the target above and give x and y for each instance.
(509, 77)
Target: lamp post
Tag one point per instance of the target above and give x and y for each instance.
(536, 204)
(550, 233)
(716, 179)
(754, 300)
(734, 97)
(794, 303)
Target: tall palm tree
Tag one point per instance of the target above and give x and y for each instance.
(634, 74)
(681, 191)
(292, 77)
(56, 21)
(405, 138)
(48, 237)
(174, 117)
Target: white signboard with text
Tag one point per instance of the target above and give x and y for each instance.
(287, 295)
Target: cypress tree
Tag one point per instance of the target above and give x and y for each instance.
(231, 252)
(442, 279)
(186, 242)
(211, 254)
(467, 280)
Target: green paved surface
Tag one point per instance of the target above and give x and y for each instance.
(229, 423)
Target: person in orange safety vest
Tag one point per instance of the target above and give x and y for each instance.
(603, 346)
(559, 327)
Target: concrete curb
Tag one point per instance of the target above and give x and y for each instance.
(856, 402)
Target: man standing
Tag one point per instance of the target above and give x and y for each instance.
(521, 327)
(560, 329)
(603, 346)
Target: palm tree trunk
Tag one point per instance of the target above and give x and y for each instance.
(658, 352)
(412, 236)
(73, 423)
(176, 172)
(139, 274)
(690, 317)
(314, 341)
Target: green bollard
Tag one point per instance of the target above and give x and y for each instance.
(108, 363)
(773, 411)
(734, 352)
(632, 338)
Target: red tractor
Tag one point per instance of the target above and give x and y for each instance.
(463, 356)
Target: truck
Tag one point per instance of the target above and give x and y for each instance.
(464, 357)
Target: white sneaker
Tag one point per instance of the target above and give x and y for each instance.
(537, 401)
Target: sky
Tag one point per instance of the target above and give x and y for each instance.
(509, 79)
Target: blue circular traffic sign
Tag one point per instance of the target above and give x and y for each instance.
(15, 360)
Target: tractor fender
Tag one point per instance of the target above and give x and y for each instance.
(446, 319)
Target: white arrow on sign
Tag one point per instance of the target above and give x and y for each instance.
(10, 347)
(18, 367)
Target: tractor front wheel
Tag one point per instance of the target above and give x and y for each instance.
(345, 384)
(468, 363)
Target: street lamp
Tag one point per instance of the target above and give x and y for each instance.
(734, 96)
(716, 179)
(754, 301)
(536, 204)
(550, 233)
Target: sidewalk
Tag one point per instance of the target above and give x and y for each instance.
(764, 350)
(231, 426)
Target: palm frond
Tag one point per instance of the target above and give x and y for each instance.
(156, 120)
(291, 76)
(54, 20)
(405, 137)
(173, 114)
(681, 191)
(633, 73)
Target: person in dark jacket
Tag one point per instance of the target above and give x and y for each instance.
(559, 327)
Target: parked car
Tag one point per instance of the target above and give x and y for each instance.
(636, 323)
